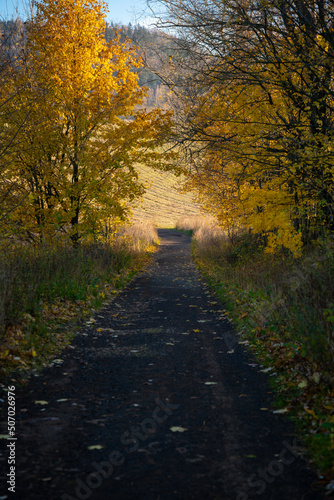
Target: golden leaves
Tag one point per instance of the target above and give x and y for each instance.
(77, 152)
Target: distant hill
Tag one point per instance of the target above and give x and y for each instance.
(148, 41)
(152, 47)
(162, 204)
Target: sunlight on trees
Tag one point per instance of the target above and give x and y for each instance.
(253, 86)
(72, 99)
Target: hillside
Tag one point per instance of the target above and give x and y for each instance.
(162, 204)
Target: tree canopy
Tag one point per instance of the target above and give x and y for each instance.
(254, 87)
(83, 133)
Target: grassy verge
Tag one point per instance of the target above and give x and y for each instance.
(283, 309)
(45, 291)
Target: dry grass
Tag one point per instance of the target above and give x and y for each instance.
(139, 236)
(294, 298)
(206, 233)
(43, 288)
(203, 227)
(33, 273)
(163, 204)
(284, 309)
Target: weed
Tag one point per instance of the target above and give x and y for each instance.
(45, 288)
(284, 308)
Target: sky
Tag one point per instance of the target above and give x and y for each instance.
(120, 11)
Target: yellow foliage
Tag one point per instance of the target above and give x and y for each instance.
(83, 133)
(263, 162)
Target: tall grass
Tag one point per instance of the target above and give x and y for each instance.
(138, 237)
(31, 275)
(201, 227)
(292, 297)
(44, 286)
(284, 309)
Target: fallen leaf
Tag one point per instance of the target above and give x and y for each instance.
(210, 383)
(95, 447)
(311, 412)
(41, 402)
(283, 410)
(178, 429)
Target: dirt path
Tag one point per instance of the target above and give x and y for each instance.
(158, 360)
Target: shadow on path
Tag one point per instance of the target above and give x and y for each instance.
(156, 400)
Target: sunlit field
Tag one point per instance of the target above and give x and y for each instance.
(162, 204)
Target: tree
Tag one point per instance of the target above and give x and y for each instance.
(84, 134)
(257, 106)
(11, 193)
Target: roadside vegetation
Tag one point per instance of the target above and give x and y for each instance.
(73, 130)
(46, 290)
(283, 310)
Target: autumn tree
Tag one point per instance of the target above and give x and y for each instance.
(11, 193)
(85, 132)
(256, 113)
